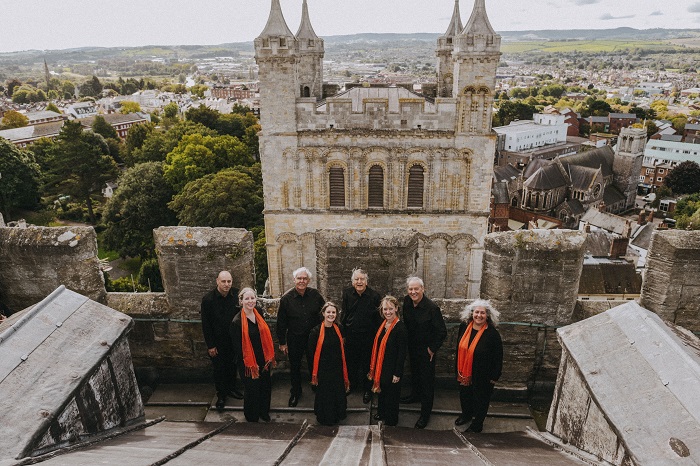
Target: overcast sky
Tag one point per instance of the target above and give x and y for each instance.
(59, 24)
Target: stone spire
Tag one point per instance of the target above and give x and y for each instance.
(456, 23)
(478, 23)
(306, 31)
(276, 25)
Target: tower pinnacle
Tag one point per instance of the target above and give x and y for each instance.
(276, 25)
(455, 26)
(306, 31)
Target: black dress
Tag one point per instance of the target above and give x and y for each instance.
(258, 392)
(330, 405)
(394, 358)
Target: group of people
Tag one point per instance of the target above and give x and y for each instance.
(361, 346)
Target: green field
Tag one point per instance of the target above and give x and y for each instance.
(589, 46)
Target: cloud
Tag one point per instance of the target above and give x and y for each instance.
(608, 16)
(694, 8)
(585, 2)
(656, 13)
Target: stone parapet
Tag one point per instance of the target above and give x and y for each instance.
(35, 261)
(190, 259)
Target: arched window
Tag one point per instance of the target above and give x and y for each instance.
(514, 202)
(416, 181)
(306, 92)
(375, 187)
(336, 184)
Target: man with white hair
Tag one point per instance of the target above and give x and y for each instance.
(426, 333)
(299, 312)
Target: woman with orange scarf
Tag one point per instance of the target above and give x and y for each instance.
(329, 373)
(479, 362)
(386, 366)
(255, 357)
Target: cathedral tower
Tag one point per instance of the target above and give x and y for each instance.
(627, 164)
(476, 55)
(277, 55)
(311, 53)
(444, 53)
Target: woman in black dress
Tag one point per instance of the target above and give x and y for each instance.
(479, 362)
(255, 357)
(329, 373)
(388, 356)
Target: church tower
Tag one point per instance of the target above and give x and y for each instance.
(476, 55)
(277, 55)
(311, 53)
(627, 164)
(444, 51)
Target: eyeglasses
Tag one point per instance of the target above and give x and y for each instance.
(303, 279)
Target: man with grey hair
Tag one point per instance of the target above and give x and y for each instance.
(360, 320)
(426, 333)
(299, 312)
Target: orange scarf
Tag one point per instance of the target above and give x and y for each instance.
(317, 356)
(251, 365)
(375, 367)
(465, 354)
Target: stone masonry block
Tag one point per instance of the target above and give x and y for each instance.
(190, 258)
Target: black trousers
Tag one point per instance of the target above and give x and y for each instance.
(422, 378)
(297, 347)
(388, 403)
(358, 353)
(256, 397)
(224, 366)
(474, 400)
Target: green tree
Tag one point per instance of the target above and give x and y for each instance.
(91, 88)
(127, 106)
(684, 179)
(171, 111)
(204, 116)
(149, 275)
(13, 119)
(158, 144)
(101, 127)
(513, 110)
(80, 164)
(230, 198)
(139, 205)
(19, 185)
(12, 85)
(52, 108)
(260, 252)
(197, 155)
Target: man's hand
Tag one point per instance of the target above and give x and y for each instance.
(431, 355)
(283, 348)
(213, 352)
(395, 379)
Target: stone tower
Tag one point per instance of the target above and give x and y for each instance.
(277, 55)
(627, 164)
(476, 55)
(311, 53)
(375, 177)
(444, 51)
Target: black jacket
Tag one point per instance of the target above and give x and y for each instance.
(217, 313)
(298, 314)
(361, 312)
(488, 354)
(395, 353)
(425, 325)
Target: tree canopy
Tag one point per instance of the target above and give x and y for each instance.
(101, 127)
(684, 179)
(13, 119)
(19, 185)
(139, 205)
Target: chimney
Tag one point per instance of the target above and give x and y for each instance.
(618, 247)
(642, 220)
(650, 217)
(601, 206)
(587, 227)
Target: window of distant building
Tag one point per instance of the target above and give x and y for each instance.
(375, 187)
(659, 179)
(416, 181)
(283, 42)
(336, 185)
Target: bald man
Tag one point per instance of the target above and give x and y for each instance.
(219, 306)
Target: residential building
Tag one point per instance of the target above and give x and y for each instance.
(22, 137)
(617, 121)
(81, 110)
(121, 123)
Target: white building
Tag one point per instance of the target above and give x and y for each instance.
(660, 151)
(528, 134)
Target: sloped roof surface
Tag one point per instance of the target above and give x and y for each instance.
(499, 191)
(548, 177)
(582, 178)
(612, 195)
(506, 173)
(601, 157)
(644, 375)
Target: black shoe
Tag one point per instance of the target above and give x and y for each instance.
(474, 428)
(367, 397)
(421, 422)
(235, 393)
(220, 403)
(409, 399)
(377, 417)
(265, 417)
(293, 401)
(462, 419)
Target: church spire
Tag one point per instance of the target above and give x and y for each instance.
(478, 23)
(306, 31)
(276, 25)
(456, 22)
